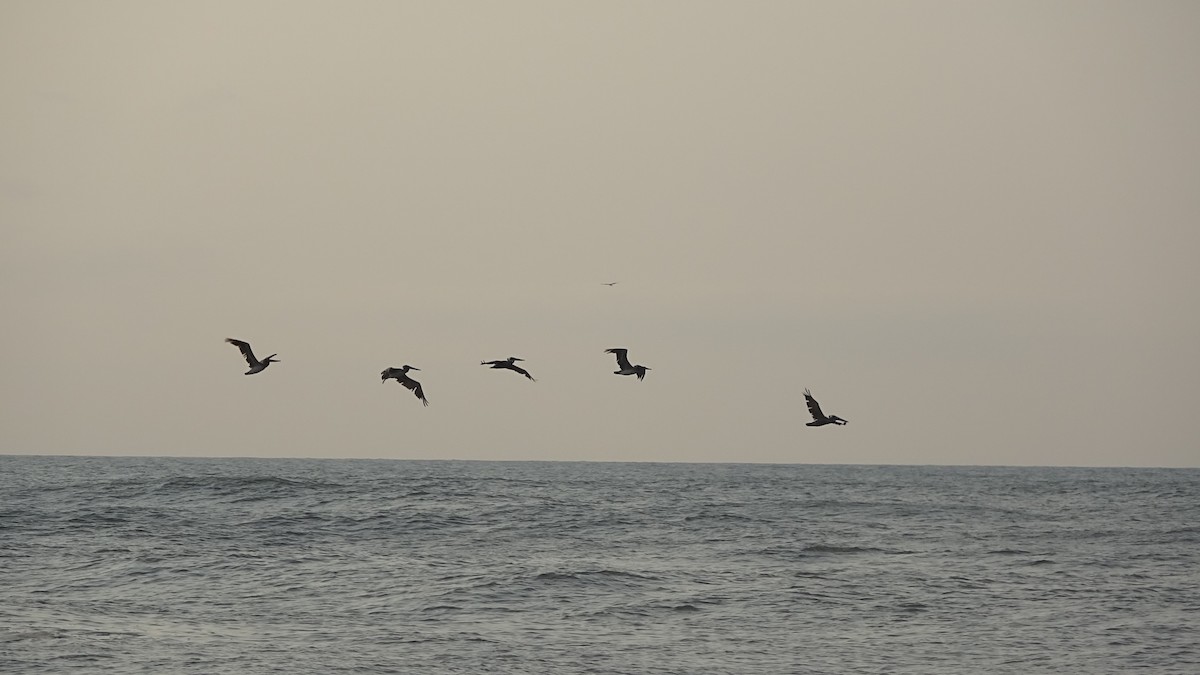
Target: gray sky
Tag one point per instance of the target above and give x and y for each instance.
(971, 228)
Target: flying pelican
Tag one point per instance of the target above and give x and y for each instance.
(610, 284)
(510, 365)
(623, 363)
(401, 376)
(256, 366)
(819, 418)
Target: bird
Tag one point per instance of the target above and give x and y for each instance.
(510, 364)
(626, 368)
(610, 284)
(819, 418)
(401, 376)
(256, 366)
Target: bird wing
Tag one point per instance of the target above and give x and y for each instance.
(622, 357)
(413, 386)
(522, 371)
(244, 347)
(813, 407)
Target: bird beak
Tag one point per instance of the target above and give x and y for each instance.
(411, 368)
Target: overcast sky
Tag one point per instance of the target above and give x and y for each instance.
(971, 228)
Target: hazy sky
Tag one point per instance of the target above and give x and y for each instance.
(971, 228)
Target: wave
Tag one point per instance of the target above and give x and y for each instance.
(833, 548)
(250, 487)
(593, 576)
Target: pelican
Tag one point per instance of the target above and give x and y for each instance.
(819, 418)
(401, 376)
(510, 364)
(626, 368)
(256, 366)
(610, 284)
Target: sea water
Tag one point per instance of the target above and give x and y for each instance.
(213, 566)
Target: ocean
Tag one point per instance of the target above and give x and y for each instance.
(214, 566)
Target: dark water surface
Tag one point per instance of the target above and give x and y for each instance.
(213, 566)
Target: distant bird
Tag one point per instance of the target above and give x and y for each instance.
(626, 368)
(256, 366)
(401, 376)
(609, 283)
(509, 364)
(819, 418)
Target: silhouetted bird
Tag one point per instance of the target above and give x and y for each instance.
(401, 376)
(609, 283)
(256, 366)
(509, 364)
(623, 363)
(819, 418)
